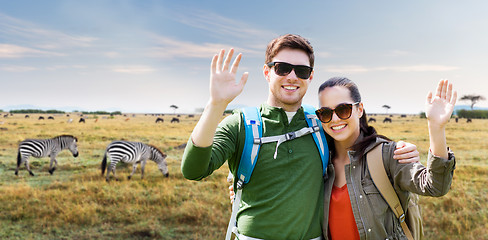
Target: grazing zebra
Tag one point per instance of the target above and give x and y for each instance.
(39, 148)
(133, 152)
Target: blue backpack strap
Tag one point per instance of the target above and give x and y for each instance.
(254, 131)
(318, 135)
(251, 118)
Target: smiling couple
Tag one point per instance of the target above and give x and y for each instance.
(288, 193)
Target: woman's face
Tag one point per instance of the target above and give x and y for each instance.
(341, 130)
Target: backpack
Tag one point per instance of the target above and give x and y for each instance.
(411, 219)
(254, 139)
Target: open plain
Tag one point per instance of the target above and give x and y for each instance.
(77, 203)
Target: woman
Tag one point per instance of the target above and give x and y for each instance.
(354, 209)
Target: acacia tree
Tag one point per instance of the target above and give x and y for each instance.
(174, 107)
(386, 107)
(473, 98)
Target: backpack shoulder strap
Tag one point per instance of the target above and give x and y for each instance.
(254, 131)
(253, 140)
(378, 173)
(318, 135)
(251, 118)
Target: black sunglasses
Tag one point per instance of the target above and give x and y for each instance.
(343, 111)
(283, 69)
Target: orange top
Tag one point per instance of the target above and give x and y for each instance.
(341, 219)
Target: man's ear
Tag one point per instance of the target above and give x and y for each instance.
(266, 72)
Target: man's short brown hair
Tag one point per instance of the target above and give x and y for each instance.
(291, 41)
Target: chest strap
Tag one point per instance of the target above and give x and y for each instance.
(287, 137)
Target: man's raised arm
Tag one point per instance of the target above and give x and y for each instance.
(223, 89)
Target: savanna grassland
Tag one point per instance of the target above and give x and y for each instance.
(77, 203)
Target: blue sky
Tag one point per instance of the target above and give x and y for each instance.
(143, 56)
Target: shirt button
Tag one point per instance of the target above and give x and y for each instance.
(290, 151)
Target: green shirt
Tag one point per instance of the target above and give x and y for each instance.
(284, 198)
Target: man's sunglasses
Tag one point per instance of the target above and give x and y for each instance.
(343, 111)
(283, 69)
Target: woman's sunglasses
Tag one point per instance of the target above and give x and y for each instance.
(343, 111)
(283, 69)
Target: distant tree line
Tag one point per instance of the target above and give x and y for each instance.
(35, 111)
(463, 113)
(58, 111)
(104, 113)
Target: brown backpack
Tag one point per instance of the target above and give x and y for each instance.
(411, 220)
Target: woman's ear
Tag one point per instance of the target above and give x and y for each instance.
(360, 109)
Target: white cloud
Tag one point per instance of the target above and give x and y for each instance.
(346, 69)
(413, 68)
(111, 54)
(134, 69)
(220, 25)
(15, 51)
(36, 37)
(13, 68)
(18, 68)
(172, 48)
(250, 38)
(398, 53)
(323, 54)
(419, 68)
(59, 67)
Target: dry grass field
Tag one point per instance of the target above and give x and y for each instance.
(76, 202)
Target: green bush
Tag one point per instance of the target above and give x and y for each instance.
(472, 113)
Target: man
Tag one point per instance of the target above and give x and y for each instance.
(284, 199)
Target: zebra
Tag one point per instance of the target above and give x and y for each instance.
(133, 152)
(39, 148)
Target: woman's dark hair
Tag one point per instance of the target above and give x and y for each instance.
(369, 132)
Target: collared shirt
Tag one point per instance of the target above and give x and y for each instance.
(284, 198)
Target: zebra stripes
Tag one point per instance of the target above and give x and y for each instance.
(133, 152)
(39, 148)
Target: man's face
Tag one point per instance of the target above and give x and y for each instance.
(287, 91)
